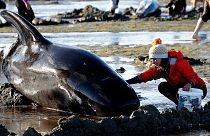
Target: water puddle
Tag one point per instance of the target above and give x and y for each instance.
(18, 119)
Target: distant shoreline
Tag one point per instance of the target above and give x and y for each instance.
(119, 26)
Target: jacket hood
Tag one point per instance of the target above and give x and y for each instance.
(175, 54)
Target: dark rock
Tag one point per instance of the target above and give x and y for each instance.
(207, 106)
(91, 128)
(3, 131)
(205, 119)
(120, 70)
(49, 21)
(31, 132)
(108, 123)
(150, 110)
(72, 122)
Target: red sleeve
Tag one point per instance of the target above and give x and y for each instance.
(150, 74)
(187, 71)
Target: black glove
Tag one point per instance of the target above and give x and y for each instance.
(134, 80)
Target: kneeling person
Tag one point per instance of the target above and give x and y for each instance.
(172, 66)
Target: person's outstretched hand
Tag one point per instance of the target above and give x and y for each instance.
(134, 80)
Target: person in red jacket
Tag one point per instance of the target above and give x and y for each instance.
(172, 66)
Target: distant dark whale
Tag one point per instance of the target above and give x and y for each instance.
(63, 77)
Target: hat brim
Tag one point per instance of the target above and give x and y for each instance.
(158, 56)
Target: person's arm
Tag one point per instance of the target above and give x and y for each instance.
(27, 4)
(187, 71)
(188, 74)
(134, 80)
(148, 75)
(25, 1)
(192, 78)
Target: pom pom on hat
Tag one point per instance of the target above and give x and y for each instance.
(157, 41)
(158, 50)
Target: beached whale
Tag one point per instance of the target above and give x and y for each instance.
(63, 77)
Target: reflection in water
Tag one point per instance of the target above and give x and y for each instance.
(18, 119)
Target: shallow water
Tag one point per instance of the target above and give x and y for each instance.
(18, 119)
(115, 38)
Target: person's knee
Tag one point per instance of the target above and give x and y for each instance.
(162, 87)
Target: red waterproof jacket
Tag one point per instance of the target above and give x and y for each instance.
(180, 72)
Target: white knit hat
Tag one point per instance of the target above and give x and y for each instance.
(158, 50)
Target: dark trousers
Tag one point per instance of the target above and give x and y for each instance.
(24, 12)
(168, 91)
(206, 12)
